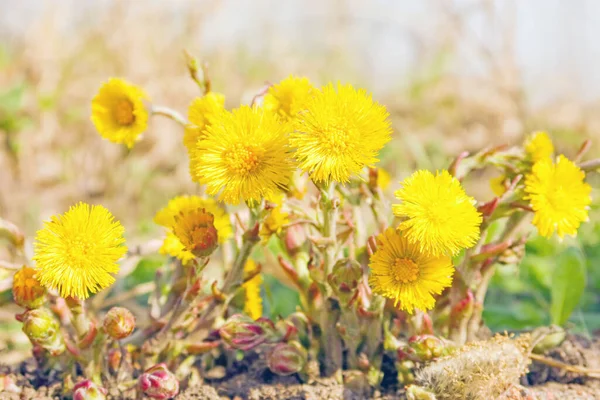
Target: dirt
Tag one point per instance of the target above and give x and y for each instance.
(257, 383)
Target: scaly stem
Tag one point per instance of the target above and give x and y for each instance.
(329, 208)
(169, 113)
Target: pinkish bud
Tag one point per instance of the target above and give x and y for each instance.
(119, 322)
(286, 358)
(243, 333)
(158, 382)
(344, 279)
(88, 390)
(114, 360)
(295, 238)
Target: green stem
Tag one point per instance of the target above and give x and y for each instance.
(169, 113)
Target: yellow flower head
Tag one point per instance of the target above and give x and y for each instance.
(558, 195)
(77, 252)
(289, 97)
(439, 215)
(173, 247)
(196, 231)
(341, 131)
(273, 224)
(497, 185)
(538, 146)
(27, 290)
(201, 113)
(118, 112)
(253, 302)
(244, 156)
(400, 271)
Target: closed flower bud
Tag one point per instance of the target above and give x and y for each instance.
(295, 238)
(43, 330)
(287, 358)
(426, 348)
(113, 359)
(119, 322)
(344, 278)
(27, 290)
(158, 382)
(243, 333)
(302, 325)
(196, 231)
(88, 390)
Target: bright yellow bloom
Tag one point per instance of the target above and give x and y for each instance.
(201, 113)
(341, 132)
(118, 112)
(173, 247)
(558, 195)
(439, 215)
(77, 252)
(400, 271)
(253, 302)
(27, 290)
(244, 156)
(273, 224)
(538, 146)
(196, 231)
(497, 185)
(289, 97)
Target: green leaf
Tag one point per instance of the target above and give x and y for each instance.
(568, 284)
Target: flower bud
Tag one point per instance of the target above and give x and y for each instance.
(287, 358)
(425, 348)
(158, 382)
(414, 392)
(27, 290)
(43, 330)
(113, 359)
(88, 390)
(295, 238)
(344, 278)
(119, 322)
(196, 231)
(302, 326)
(243, 333)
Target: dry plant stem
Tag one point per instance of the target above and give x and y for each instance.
(590, 165)
(169, 113)
(592, 373)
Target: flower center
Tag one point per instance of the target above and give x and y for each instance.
(405, 270)
(557, 199)
(241, 160)
(78, 252)
(335, 140)
(123, 112)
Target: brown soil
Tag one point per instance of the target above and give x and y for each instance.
(257, 383)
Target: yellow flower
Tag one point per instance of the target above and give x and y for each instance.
(497, 185)
(27, 290)
(289, 97)
(201, 113)
(273, 224)
(196, 231)
(253, 302)
(244, 156)
(184, 204)
(558, 195)
(538, 146)
(77, 252)
(400, 271)
(118, 112)
(173, 247)
(340, 132)
(438, 214)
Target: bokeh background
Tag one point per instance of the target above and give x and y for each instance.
(455, 75)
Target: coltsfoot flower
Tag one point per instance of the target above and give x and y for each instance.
(201, 112)
(183, 204)
(88, 390)
(119, 323)
(402, 272)
(27, 290)
(273, 224)
(77, 252)
(196, 231)
(244, 156)
(118, 112)
(538, 146)
(439, 216)
(42, 329)
(158, 382)
(558, 195)
(340, 132)
(289, 97)
(253, 303)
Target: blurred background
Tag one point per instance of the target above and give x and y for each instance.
(454, 75)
